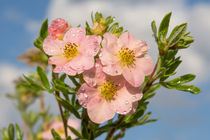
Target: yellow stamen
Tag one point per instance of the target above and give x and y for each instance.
(108, 90)
(127, 57)
(71, 50)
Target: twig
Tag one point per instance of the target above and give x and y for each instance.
(120, 134)
(61, 110)
(112, 131)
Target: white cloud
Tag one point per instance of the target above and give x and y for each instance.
(8, 73)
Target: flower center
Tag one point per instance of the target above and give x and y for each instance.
(126, 56)
(108, 90)
(71, 50)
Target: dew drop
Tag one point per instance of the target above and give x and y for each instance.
(134, 98)
(126, 102)
(85, 95)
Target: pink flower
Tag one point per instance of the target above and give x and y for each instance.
(126, 56)
(57, 28)
(104, 95)
(58, 127)
(74, 54)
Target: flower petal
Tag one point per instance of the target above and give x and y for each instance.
(81, 63)
(133, 76)
(90, 45)
(95, 76)
(145, 64)
(99, 110)
(74, 35)
(107, 57)
(127, 40)
(122, 102)
(57, 60)
(110, 43)
(134, 107)
(69, 70)
(57, 27)
(53, 47)
(85, 94)
(113, 69)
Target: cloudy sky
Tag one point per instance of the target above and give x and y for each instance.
(182, 116)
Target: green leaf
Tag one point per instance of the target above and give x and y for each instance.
(44, 30)
(68, 106)
(43, 78)
(176, 34)
(56, 136)
(19, 134)
(144, 118)
(154, 29)
(42, 35)
(182, 79)
(84, 130)
(11, 131)
(163, 29)
(188, 88)
(77, 133)
(32, 83)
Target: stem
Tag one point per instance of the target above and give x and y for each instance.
(120, 134)
(112, 131)
(151, 80)
(61, 110)
(25, 130)
(42, 107)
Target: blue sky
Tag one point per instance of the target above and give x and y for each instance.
(183, 116)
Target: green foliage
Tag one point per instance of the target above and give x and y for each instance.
(43, 78)
(42, 35)
(12, 133)
(176, 34)
(163, 29)
(56, 136)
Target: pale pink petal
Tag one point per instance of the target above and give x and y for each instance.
(122, 102)
(133, 76)
(134, 107)
(58, 69)
(136, 93)
(99, 110)
(81, 63)
(127, 40)
(75, 125)
(90, 45)
(145, 64)
(94, 76)
(47, 135)
(57, 27)
(125, 97)
(53, 47)
(57, 60)
(110, 43)
(141, 49)
(113, 69)
(86, 93)
(69, 70)
(107, 58)
(74, 35)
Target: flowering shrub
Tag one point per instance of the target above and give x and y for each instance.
(101, 75)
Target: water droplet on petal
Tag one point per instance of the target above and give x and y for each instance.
(85, 95)
(124, 112)
(126, 102)
(134, 98)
